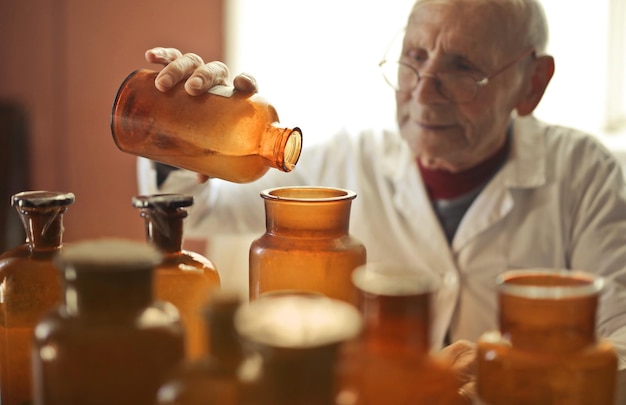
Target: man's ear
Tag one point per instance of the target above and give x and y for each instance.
(542, 71)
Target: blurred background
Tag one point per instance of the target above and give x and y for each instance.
(316, 61)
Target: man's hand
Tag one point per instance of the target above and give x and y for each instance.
(462, 357)
(198, 75)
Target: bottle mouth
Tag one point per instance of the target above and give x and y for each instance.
(297, 321)
(396, 280)
(162, 201)
(549, 284)
(308, 194)
(42, 199)
(292, 150)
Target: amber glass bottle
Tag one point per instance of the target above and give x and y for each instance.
(213, 379)
(298, 337)
(546, 351)
(29, 286)
(183, 278)
(391, 362)
(307, 245)
(224, 133)
(109, 342)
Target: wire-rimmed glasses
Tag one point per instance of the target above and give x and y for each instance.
(458, 88)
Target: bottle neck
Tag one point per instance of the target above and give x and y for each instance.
(43, 227)
(98, 293)
(396, 324)
(223, 341)
(281, 147)
(164, 229)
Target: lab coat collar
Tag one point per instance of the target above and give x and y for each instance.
(526, 166)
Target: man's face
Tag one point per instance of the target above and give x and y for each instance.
(461, 37)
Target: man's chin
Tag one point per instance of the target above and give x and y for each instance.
(436, 163)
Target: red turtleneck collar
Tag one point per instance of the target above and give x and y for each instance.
(442, 184)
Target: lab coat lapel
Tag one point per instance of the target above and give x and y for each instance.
(430, 248)
(524, 169)
(411, 199)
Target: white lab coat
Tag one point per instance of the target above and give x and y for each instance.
(558, 202)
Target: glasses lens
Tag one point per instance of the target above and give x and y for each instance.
(458, 88)
(399, 76)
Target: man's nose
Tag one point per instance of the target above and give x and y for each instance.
(427, 89)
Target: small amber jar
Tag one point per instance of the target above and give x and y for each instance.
(223, 133)
(183, 278)
(391, 362)
(307, 245)
(213, 379)
(109, 342)
(298, 337)
(546, 351)
(29, 287)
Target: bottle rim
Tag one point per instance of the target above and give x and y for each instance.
(308, 194)
(42, 199)
(292, 150)
(297, 321)
(388, 279)
(171, 201)
(542, 283)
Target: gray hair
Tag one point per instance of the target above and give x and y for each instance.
(525, 17)
(537, 25)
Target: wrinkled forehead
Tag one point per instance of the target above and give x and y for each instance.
(486, 28)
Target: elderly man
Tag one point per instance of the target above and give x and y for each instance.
(472, 185)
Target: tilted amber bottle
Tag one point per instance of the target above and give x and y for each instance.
(546, 351)
(183, 278)
(223, 133)
(29, 286)
(391, 362)
(299, 337)
(109, 342)
(307, 245)
(213, 379)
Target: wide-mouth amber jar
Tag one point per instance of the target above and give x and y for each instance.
(307, 245)
(546, 350)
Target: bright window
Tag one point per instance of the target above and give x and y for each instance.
(316, 61)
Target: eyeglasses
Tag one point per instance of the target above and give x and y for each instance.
(455, 87)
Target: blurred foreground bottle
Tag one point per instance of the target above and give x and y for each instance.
(217, 378)
(391, 362)
(223, 133)
(109, 342)
(307, 245)
(29, 287)
(546, 351)
(299, 337)
(183, 278)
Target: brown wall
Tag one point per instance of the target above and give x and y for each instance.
(63, 60)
